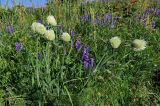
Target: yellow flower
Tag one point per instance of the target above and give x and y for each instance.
(51, 20)
(115, 42)
(66, 37)
(139, 44)
(50, 35)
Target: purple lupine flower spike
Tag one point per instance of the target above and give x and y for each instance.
(158, 12)
(86, 17)
(86, 61)
(146, 12)
(86, 64)
(86, 57)
(103, 1)
(9, 29)
(107, 17)
(72, 33)
(18, 46)
(85, 51)
(78, 45)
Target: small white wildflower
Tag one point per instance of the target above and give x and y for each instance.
(66, 37)
(115, 42)
(50, 35)
(139, 44)
(40, 28)
(51, 20)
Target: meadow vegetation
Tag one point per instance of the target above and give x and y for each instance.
(78, 53)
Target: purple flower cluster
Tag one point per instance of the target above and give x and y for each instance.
(88, 62)
(158, 12)
(9, 29)
(18, 47)
(78, 45)
(106, 19)
(40, 21)
(85, 59)
(147, 12)
(72, 33)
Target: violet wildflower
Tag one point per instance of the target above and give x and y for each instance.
(90, 1)
(86, 61)
(72, 33)
(158, 12)
(86, 17)
(86, 64)
(85, 57)
(18, 46)
(85, 51)
(146, 12)
(153, 9)
(78, 45)
(107, 17)
(101, 22)
(115, 18)
(40, 21)
(9, 29)
(103, 1)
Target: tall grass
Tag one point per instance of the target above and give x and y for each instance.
(47, 73)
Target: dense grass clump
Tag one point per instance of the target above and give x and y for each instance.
(95, 53)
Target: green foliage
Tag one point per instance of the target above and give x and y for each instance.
(48, 73)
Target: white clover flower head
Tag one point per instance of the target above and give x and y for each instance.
(66, 37)
(139, 44)
(50, 35)
(40, 28)
(51, 20)
(115, 42)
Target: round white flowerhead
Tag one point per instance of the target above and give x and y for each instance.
(34, 24)
(40, 28)
(66, 37)
(50, 35)
(139, 45)
(115, 42)
(51, 20)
